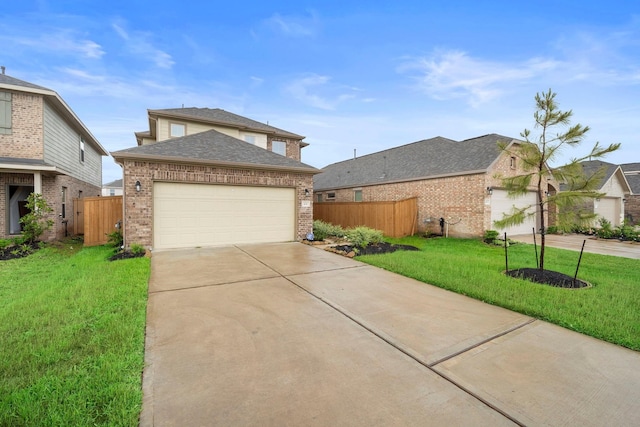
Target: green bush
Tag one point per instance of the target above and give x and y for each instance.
(363, 236)
(552, 229)
(490, 236)
(137, 249)
(35, 222)
(322, 230)
(115, 239)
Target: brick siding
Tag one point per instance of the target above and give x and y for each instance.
(462, 200)
(138, 224)
(27, 120)
(632, 209)
(52, 192)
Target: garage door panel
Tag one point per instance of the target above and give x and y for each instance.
(189, 215)
(501, 203)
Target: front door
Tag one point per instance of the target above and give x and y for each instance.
(16, 206)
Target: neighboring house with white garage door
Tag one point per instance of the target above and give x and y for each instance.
(454, 180)
(214, 186)
(632, 204)
(616, 190)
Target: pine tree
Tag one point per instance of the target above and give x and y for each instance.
(536, 154)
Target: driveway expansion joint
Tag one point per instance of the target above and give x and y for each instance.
(418, 359)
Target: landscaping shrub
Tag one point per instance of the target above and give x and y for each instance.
(115, 239)
(490, 236)
(363, 236)
(137, 249)
(35, 223)
(322, 230)
(552, 229)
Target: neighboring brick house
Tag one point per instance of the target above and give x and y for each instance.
(632, 202)
(616, 191)
(203, 177)
(113, 188)
(454, 180)
(44, 148)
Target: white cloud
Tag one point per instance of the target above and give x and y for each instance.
(454, 74)
(294, 26)
(58, 41)
(137, 43)
(307, 90)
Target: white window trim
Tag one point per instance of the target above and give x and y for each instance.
(184, 127)
(284, 146)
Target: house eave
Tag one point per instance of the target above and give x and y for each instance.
(189, 117)
(398, 181)
(63, 108)
(209, 162)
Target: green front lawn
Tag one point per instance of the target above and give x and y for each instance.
(72, 338)
(610, 310)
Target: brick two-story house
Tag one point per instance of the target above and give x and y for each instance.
(46, 149)
(454, 180)
(632, 202)
(203, 177)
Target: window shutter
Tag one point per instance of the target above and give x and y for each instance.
(5, 110)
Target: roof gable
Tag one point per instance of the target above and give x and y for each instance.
(213, 147)
(52, 97)
(611, 170)
(222, 117)
(424, 159)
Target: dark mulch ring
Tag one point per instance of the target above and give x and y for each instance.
(21, 251)
(546, 277)
(378, 248)
(125, 255)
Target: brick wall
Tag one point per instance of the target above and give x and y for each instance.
(461, 200)
(52, 192)
(27, 121)
(632, 209)
(293, 146)
(138, 224)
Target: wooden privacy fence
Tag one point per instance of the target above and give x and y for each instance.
(394, 219)
(95, 217)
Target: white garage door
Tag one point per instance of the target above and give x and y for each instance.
(608, 207)
(191, 215)
(501, 203)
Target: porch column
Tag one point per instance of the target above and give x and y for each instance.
(37, 182)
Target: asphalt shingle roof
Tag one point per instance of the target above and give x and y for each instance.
(4, 79)
(217, 115)
(422, 159)
(116, 184)
(591, 167)
(632, 178)
(213, 147)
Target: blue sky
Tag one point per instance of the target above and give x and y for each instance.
(347, 75)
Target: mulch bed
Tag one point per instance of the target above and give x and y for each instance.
(13, 252)
(379, 248)
(125, 255)
(546, 277)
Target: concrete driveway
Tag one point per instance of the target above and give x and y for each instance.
(594, 245)
(288, 334)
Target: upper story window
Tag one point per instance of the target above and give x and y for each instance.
(513, 163)
(81, 149)
(357, 195)
(177, 130)
(5, 113)
(279, 147)
(319, 197)
(331, 196)
(112, 191)
(251, 139)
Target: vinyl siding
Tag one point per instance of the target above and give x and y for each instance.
(163, 128)
(62, 149)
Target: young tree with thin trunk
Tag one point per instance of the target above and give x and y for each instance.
(536, 154)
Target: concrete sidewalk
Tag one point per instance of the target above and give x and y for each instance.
(594, 245)
(287, 334)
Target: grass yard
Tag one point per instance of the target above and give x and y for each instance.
(72, 337)
(610, 310)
